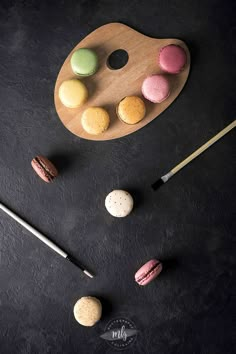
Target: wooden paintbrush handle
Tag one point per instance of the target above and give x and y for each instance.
(203, 147)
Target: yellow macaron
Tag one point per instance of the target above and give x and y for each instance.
(73, 93)
(131, 110)
(95, 120)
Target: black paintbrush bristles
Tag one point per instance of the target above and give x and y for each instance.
(75, 262)
(157, 184)
(80, 266)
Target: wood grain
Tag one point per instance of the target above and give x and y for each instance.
(107, 87)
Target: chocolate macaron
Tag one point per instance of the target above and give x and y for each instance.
(44, 168)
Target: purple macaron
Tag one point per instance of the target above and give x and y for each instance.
(148, 272)
(172, 58)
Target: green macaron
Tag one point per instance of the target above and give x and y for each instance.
(84, 62)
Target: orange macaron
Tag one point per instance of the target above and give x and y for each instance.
(131, 110)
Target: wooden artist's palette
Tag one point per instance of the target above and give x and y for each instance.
(107, 87)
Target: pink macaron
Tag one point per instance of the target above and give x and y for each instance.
(172, 58)
(44, 168)
(148, 272)
(156, 88)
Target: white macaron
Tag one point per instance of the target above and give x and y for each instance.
(119, 203)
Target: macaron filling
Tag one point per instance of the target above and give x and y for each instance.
(49, 174)
(144, 276)
(90, 73)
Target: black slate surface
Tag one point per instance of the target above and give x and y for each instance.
(189, 223)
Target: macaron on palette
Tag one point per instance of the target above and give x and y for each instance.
(131, 110)
(73, 93)
(172, 58)
(156, 88)
(95, 120)
(84, 62)
(155, 74)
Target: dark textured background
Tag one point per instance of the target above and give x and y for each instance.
(189, 222)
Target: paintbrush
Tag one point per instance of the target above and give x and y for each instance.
(44, 239)
(195, 154)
